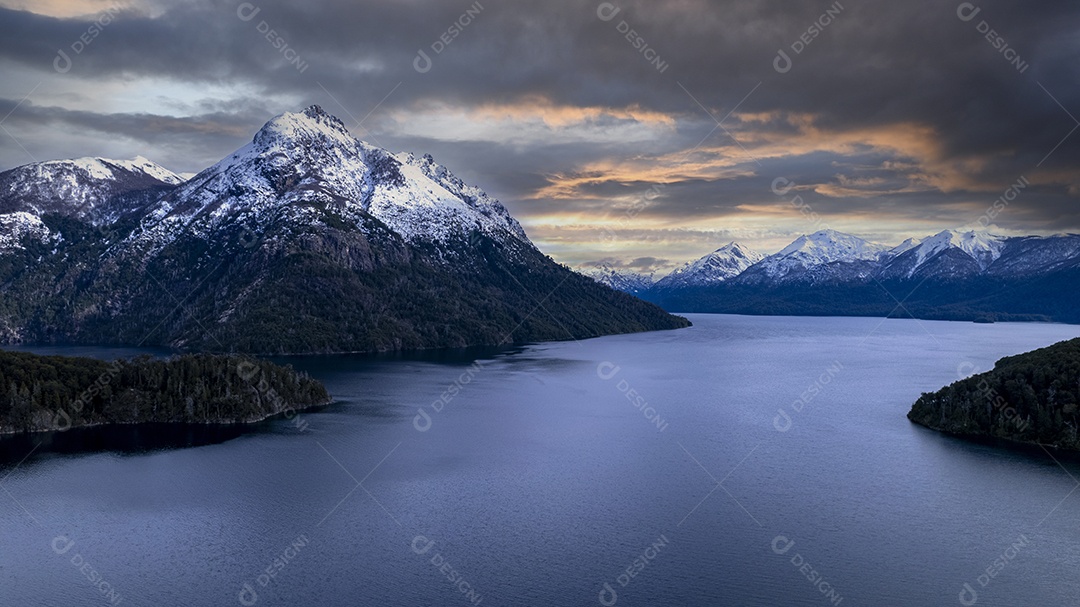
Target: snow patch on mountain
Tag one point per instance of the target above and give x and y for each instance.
(817, 249)
(721, 265)
(16, 227)
(983, 247)
(1032, 255)
(904, 247)
(301, 163)
(97, 190)
(620, 279)
(493, 215)
(103, 169)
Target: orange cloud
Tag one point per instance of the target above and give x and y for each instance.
(65, 9)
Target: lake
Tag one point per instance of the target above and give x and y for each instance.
(743, 461)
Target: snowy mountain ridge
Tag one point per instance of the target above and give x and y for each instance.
(301, 163)
(829, 256)
(722, 264)
(97, 190)
(620, 279)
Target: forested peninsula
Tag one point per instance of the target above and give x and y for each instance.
(1029, 398)
(54, 393)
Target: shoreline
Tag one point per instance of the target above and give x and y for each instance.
(1001, 441)
(284, 414)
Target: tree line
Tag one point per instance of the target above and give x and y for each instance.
(41, 393)
(1031, 398)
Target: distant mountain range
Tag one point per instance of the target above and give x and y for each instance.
(621, 279)
(950, 275)
(304, 240)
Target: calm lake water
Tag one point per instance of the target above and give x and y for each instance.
(539, 475)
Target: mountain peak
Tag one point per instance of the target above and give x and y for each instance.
(96, 190)
(722, 264)
(621, 279)
(321, 116)
(905, 246)
(300, 162)
(830, 245)
(817, 250)
(308, 126)
(981, 246)
(733, 247)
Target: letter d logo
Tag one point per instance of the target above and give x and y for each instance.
(422, 421)
(422, 63)
(967, 11)
(61, 544)
(248, 596)
(782, 190)
(782, 421)
(607, 370)
(776, 544)
(247, 11)
(62, 63)
(608, 596)
(968, 596)
(607, 11)
(782, 63)
(246, 370)
(418, 541)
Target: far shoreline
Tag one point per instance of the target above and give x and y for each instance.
(283, 415)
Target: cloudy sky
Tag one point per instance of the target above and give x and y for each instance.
(639, 131)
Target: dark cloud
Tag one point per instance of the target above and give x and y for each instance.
(880, 70)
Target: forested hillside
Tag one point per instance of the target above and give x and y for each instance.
(1032, 398)
(41, 393)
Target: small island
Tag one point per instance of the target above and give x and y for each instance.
(55, 393)
(1030, 398)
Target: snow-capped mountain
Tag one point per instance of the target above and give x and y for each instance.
(830, 257)
(823, 255)
(947, 253)
(950, 275)
(1034, 255)
(621, 279)
(96, 190)
(302, 165)
(725, 263)
(304, 240)
(903, 247)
